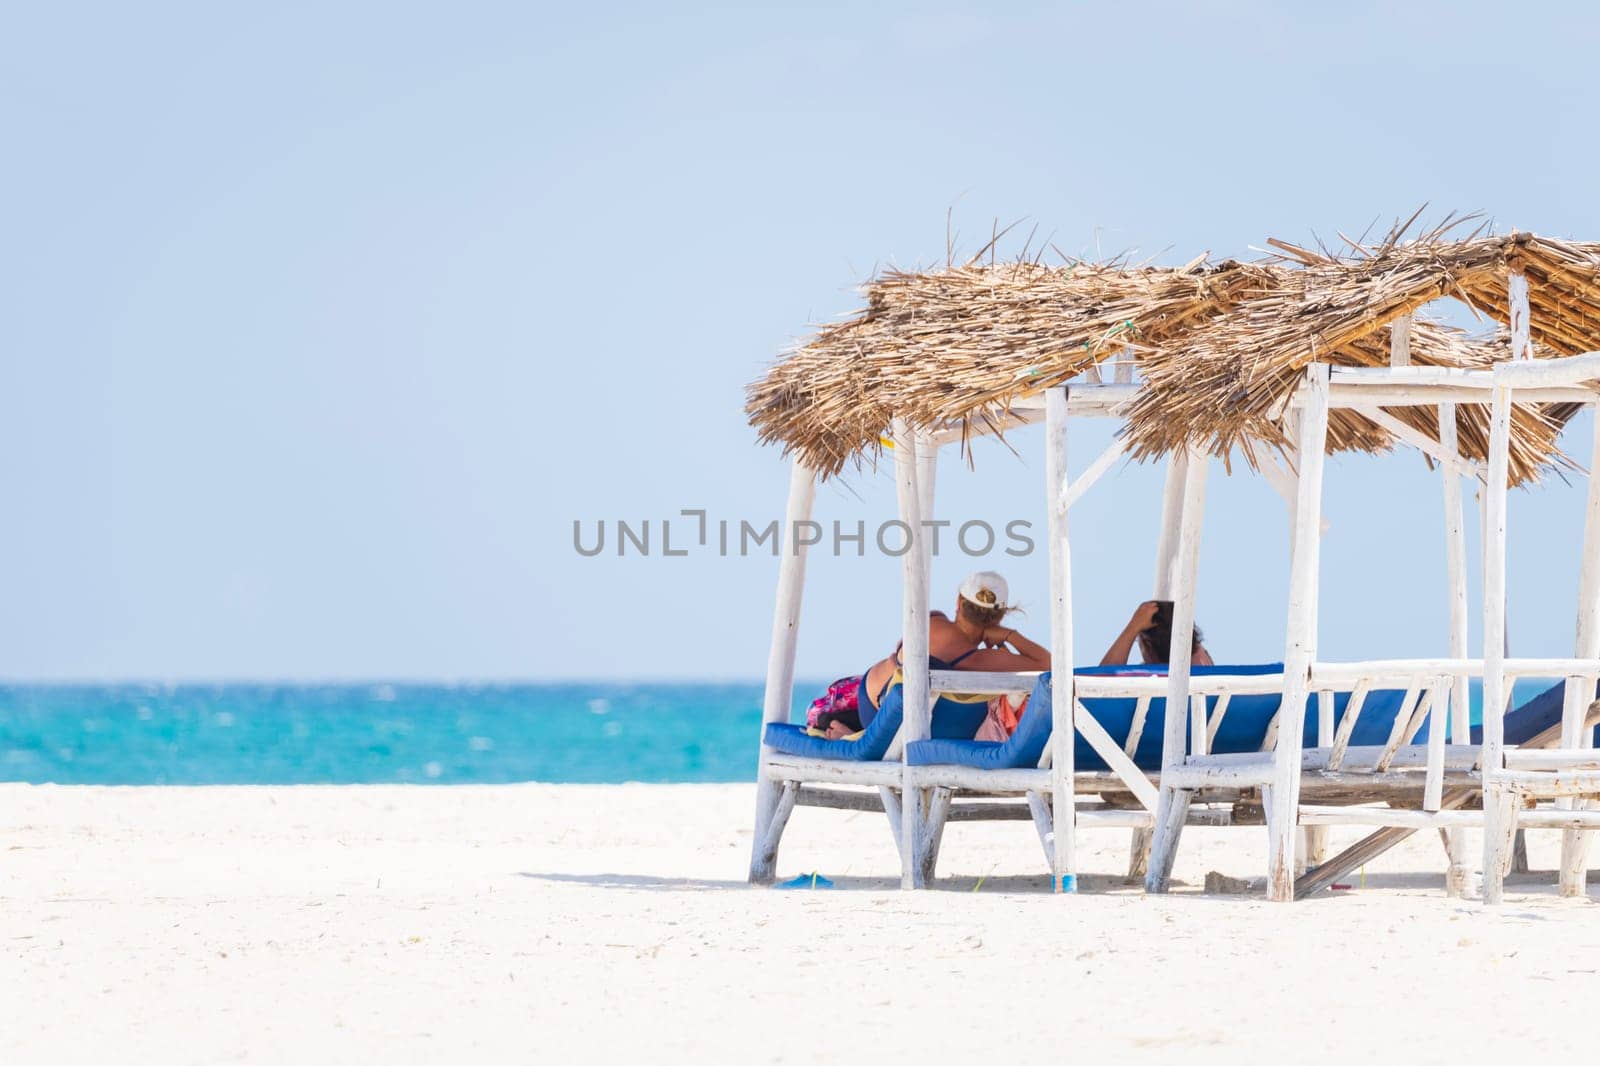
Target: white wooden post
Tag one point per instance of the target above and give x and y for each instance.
(1496, 836)
(1458, 882)
(1300, 650)
(1172, 804)
(1400, 341)
(1125, 366)
(913, 652)
(1063, 736)
(779, 696)
(1581, 691)
(1166, 556)
(1517, 295)
(1292, 499)
(1455, 537)
(1171, 515)
(927, 473)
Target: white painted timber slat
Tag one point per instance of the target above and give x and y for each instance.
(1389, 816)
(1552, 759)
(1116, 758)
(1215, 722)
(982, 682)
(1347, 724)
(1421, 441)
(1402, 722)
(1097, 469)
(1433, 789)
(1141, 712)
(1575, 370)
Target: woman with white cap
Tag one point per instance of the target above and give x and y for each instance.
(976, 640)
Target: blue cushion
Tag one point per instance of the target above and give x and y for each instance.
(1534, 717)
(950, 719)
(1243, 728)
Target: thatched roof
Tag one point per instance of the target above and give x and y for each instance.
(1223, 384)
(1220, 345)
(958, 344)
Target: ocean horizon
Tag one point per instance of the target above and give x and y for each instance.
(264, 733)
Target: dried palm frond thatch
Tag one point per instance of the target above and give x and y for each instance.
(957, 345)
(1221, 346)
(1224, 384)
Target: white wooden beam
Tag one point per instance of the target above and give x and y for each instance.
(914, 647)
(1173, 803)
(1455, 538)
(1063, 856)
(1116, 758)
(1573, 370)
(1345, 396)
(1517, 296)
(1171, 516)
(927, 474)
(1400, 341)
(1097, 469)
(778, 700)
(1460, 880)
(1496, 805)
(1301, 647)
(1575, 733)
(1422, 442)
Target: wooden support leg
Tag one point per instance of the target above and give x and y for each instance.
(1499, 814)
(764, 865)
(1519, 853)
(1575, 857)
(1500, 826)
(1301, 648)
(1316, 847)
(891, 807)
(1282, 840)
(779, 696)
(1039, 807)
(1172, 810)
(1172, 804)
(938, 810)
(1460, 881)
(1139, 854)
(914, 831)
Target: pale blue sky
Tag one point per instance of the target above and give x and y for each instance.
(321, 323)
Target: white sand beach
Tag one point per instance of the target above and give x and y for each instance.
(575, 923)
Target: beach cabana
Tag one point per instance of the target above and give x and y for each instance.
(1272, 365)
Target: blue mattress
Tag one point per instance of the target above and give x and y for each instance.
(1243, 728)
(1534, 717)
(950, 720)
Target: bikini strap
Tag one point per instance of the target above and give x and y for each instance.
(963, 655)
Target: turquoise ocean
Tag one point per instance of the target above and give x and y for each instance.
(267, 734)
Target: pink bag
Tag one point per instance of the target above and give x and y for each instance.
(842, 697)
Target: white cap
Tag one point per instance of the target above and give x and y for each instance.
(984, 588)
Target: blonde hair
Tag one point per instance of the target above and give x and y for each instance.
(982, 614)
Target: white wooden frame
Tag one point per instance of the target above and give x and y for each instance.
(1509, 778)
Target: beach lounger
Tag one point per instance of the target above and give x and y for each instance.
(1134, 726)
(792, 759)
